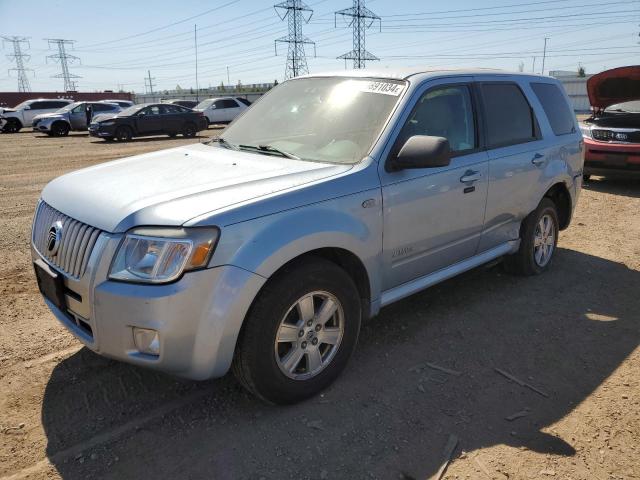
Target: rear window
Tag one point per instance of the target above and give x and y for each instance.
(508, 116)
(555, 107)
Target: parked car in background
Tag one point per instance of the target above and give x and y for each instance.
(612, 133)
(122, 103)
(71, 117)
(183, 103)
(221, 110)
(22, 115)
(148, 119)
(266, 248)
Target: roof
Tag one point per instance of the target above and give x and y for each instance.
(406, 73)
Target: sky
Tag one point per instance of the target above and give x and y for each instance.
(118, 42)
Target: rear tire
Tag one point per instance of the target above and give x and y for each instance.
(538, 241)
(189, 130)
(124, 134)
(299, 333)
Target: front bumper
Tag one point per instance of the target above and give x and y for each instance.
(198, 318)
(604, 158)
(100, 131)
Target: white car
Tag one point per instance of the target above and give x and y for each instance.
(221, 109)
(122, 103)
(14, 119)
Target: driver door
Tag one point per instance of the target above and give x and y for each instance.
(149, 121)
(78, 117)
(433, 217)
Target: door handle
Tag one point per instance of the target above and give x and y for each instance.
(538, 159)
(470, 176)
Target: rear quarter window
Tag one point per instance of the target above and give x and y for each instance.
(555, 107)
(508, 116)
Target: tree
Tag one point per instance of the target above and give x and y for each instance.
(581, 71)
(222, 89)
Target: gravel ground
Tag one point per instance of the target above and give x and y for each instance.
(571, 334)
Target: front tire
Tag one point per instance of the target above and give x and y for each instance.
(299, 333)
(13, 126)
(60, 129)
(124, 134)
(538, 241)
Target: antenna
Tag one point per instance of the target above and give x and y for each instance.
(64, 59)
(296, 12)
(19, 58)
(361, 19)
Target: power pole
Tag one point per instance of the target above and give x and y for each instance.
(533, 68)
(148, 82)
(544, 54)
(195, 39)
(64, 59)
(361, 19)
(19, 58)
(296, 12)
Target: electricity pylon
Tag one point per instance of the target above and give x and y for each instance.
(296, 12)
(361, 19)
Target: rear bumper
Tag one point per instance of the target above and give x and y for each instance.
(604, 158)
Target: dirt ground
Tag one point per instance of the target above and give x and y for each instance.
(572, 334)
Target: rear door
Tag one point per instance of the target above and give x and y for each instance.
(171, 118)
(433, 217)
(517, 158)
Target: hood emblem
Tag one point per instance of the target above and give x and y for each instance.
(54, 238)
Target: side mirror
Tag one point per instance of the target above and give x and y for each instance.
(422, 151)
(27, 107)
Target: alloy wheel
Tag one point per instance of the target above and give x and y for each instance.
(544, 240)
(309, 335)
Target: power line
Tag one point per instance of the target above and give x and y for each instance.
(19, 58)
(64, 59)
(361, 19)
(296, 12)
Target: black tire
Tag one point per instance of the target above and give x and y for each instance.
(124, 133)
(255, 365)
(13, 126)
(172, 134)
(60, 129)
(189, 130)
(524, 261)
(586, 177)
(108, 139)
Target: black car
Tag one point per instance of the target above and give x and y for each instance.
(148, 119)
(182, 103)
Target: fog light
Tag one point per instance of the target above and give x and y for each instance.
(146, 341)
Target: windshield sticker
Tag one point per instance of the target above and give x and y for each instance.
(384, 88)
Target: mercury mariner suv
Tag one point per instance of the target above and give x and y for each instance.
(331, 197)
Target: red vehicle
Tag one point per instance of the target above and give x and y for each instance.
(612, 133)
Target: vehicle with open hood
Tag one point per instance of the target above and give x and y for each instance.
(331, 197)
(612, 132)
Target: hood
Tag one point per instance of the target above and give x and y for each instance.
(48, 115)
(101, 117)
(7, 110)
(617, 85)
(145, 189)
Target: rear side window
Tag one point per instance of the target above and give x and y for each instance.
(555, 107)
(509, 118)
(39, 105)
(57, 104)
(101, 107)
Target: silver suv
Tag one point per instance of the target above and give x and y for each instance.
(330, 198)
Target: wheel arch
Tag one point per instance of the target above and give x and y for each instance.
(559, 194)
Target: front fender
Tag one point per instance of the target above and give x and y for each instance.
(265, 244)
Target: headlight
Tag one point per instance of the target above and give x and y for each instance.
(161, 255)
(106, 124)
(586, 130)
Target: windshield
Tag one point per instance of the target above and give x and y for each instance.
(624, 107)
(69, 107)
(332, 120)
(131, 110)
(203, 105)
(23, 104)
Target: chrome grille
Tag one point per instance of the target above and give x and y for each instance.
(76, 243)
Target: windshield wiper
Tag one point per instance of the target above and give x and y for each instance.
(268, 149)
(221, 141)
